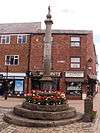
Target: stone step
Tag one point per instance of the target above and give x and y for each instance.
(49, 108)
(44, 115)
(21, 121)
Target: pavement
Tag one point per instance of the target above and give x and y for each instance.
(78, 127)
(10, 102)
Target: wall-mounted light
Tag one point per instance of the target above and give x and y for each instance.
(29, 73)
(37, 40)
(90, 68)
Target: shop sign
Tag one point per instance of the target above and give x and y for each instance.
(55, 74)
(73, 88)
(74, 74)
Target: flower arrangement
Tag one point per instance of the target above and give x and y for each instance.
(45, 97)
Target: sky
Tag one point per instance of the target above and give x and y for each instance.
(66, 14)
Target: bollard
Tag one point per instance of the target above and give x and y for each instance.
(5, 95)
(88, 109)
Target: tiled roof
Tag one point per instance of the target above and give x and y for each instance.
(69, 31)
(19, 27)
(34, 27)
(72, 31)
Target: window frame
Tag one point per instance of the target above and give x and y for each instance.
(20, 36)
(5, 38)
(73, 42)
(9, 62)
(77, 62)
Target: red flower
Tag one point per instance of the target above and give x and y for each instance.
(29, 94)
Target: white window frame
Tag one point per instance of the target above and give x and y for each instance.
(14, 59)
(75, 41)
(75, 59)
(20, 36)
(75, 62)
(5, 38)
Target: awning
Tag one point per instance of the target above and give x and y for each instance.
(74, 79)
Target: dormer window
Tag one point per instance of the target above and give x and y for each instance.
(4, 39)
(22, 39)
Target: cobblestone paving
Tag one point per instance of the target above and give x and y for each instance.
(5, 127)
(81, 127)
(72, 128)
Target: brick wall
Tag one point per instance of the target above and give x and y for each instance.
(14, 49)
(61, 52)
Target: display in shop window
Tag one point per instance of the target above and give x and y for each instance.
(19, 86)
(74, 88)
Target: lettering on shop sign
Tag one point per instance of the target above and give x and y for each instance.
(73, 88)
(55, 73)
(74, 74)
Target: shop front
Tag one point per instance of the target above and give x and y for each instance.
(36, 83)
(74, 84)
(16, 87)
(74, 88)
(14, 83)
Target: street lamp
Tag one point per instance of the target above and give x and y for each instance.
(88, 103)
(29, 75)
(6, 84)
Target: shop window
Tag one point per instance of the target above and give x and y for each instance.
(75, 62)
(11, 60)
(74, 88)
(46, 86)
(75, 41)
(35, 84)
(19, 85)
(16, 87)
(22, 39)
(55, 84)
(5, 39)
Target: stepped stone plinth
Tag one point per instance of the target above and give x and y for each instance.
(34, 115)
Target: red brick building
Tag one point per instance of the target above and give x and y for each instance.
(73, 55)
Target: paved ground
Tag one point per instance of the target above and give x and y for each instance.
(7, 105)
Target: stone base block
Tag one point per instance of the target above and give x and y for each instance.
(48, 108)
(17, 120)
(44, 115)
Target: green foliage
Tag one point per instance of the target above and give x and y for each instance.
(29, 99)
(93, 114)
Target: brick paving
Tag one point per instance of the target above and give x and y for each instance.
(78, 127)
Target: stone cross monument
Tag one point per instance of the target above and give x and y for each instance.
(46, 81)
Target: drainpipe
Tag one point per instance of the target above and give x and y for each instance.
(28, 79)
